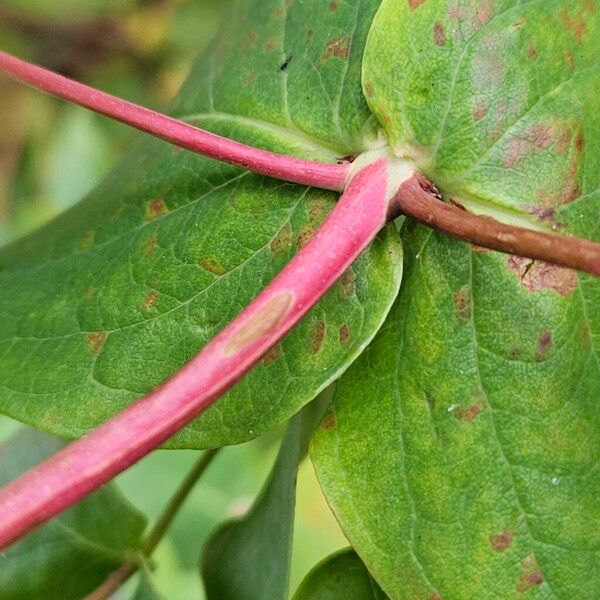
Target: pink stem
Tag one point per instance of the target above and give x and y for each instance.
(324, 175)
(88, 463)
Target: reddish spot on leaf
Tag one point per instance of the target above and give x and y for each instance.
(333, 6)
(413, 4)
(212, 265)
(544, 344)
(338, 47)
(435, 596)
(484, 13)
(439, 35)
(155, 208)
(532, 53)
(462, 304)
(329, 422)
(283, 240)
(272, 355)
(501, 541)
(535, 139)
(479, 110)
(536, 276)
(466, 414)
(317, 336)
(150, 300)
(264, 321)
(530, 576)
(344, 334)
(96, 341)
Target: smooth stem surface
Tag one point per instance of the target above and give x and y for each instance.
(127, 569)
(323, 175)
(95, 459)
(416, 198)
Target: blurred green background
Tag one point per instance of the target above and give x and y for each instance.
(51, 154)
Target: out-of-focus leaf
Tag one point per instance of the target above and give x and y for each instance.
(342, 576)
(146, 589)
(118, 293)
(72, 554)
(250, 558)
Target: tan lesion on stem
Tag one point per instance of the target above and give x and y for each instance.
(264, 321)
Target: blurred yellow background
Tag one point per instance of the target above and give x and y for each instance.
(51, 154)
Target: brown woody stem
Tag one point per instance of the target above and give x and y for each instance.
(417, 198)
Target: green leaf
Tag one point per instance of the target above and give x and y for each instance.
(461, 450)
(72, 554)
(118, 293)
(250, 558)
(341, 576)
(494, 99)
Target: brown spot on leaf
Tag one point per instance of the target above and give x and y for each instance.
(283, 240)
(155, 208)
(344, 334)
(304, 236)
(265, 320)
(87, 241)
(317, 336)
(530, 576)
(369, 89)
(150, 300)
(272, 355)
(439, 35)
(270, 45)
(536, 276)
(329, 422)
(212, 265)
(501, 541)
(575, 23)
(515, 353)
(544, 344)
(89, 293)
(570, 60)
(435, 596)
(532, 53)
(413, 4)
(338, 47)
(333, 6)
(310, 33)
(150, 245)
(249, 78)
(462, 303)
(484, 13)
(96, 341)
(348, 282)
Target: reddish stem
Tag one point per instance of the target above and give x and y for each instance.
(324, 175)
(418, 199)
(88, 463)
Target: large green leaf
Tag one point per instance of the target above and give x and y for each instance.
(341, 576)
(461, 453)
(72, 554)
(115, 295)
(494, 99)
(250, 558)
